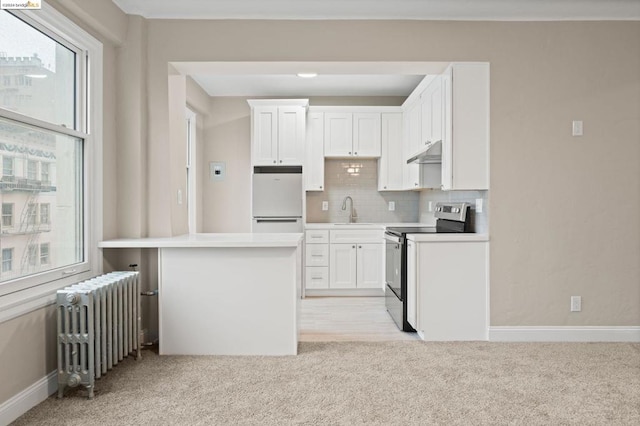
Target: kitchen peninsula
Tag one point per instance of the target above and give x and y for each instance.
(226, 294)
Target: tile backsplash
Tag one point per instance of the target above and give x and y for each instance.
(359, 180)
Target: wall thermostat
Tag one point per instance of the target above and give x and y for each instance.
(217, 171)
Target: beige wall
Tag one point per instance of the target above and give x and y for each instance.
(547, 188)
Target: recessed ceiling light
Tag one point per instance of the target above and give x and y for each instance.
(307, 74)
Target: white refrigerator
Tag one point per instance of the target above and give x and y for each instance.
(277, 200)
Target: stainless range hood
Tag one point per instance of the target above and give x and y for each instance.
(432, 154)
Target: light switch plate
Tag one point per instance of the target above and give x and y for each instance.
(576, 128)
(478, 205)
(392, 206)
(325, 206)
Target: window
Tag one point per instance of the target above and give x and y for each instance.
(7, 215)
(44, 254)
(32, 170)
(7, 165)
(44, 172)
(7, 260)
(32, 212)
(33, 254)
(44, 213)
(50, 131)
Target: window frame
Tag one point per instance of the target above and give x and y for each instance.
(3, 215)
(25, 294)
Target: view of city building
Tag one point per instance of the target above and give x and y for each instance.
(41, 170)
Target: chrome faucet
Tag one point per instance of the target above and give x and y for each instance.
(352, 215)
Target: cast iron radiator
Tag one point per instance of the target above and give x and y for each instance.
(98, 326)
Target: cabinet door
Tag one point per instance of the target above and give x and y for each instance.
(265, 136)
(338, 134)
(366, 134)
(411, 175)
(436, 110)
(291, 135)
(342, 266)
(314, 167)
(412, 285)
(390, 164)
(465, 155)
(425, 117)
(370, 266)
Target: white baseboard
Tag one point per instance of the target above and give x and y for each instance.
(564, 334)
(28, 398)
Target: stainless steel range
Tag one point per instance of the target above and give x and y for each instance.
(451, 218)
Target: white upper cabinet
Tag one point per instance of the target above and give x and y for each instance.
(432, 105)
(453, 109)
(411, 144)
(366, 134)
(278, 132)
(338, 134)
(352, 134)
(391, 162)
(465, 134)
(314, 167)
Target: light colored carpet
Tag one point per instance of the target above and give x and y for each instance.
(386, 383)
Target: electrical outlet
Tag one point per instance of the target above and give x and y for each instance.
(478, 205)
(325, 206)
(576, 303)
(392, 206)
(179, 196)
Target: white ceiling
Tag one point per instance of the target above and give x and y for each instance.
(323, 85)
(507, 10)
(334, 78)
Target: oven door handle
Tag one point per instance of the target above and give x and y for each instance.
(393, 238)
(394, 292)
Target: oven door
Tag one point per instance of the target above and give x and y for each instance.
(393, 260)
(393, 279)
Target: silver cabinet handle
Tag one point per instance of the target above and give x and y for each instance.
(281, 161)
(317, 255)
(320, 186)
(72, 271)
(355, 153)
(353, 247)
(349, 152)
(359, 246)
(274, 161)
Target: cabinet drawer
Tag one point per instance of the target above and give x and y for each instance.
(357, 236)
(317, 236)
(316, 277)
(317, 255)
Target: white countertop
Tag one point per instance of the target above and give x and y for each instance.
(350, 226)
(453, 237)
(208, 240)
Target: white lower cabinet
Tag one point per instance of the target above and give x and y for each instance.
(344, 261)
(450, 290)
(317, 277)
(356, 265)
